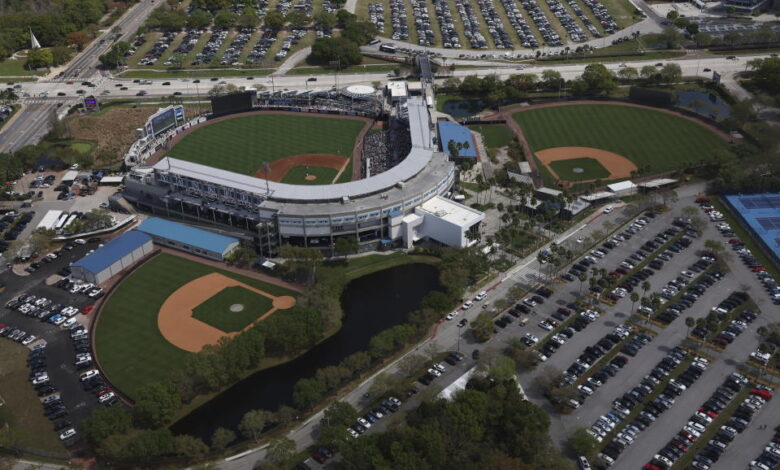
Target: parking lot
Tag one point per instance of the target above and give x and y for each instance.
(699, 372)
(57, 361)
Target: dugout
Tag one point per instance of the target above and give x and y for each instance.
(189, 239)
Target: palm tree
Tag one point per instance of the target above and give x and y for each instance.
(645, 286)
(634, 298)
(690, 322)
(582, 277)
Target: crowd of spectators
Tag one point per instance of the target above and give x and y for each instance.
(384, 150)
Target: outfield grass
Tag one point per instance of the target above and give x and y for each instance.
(242, 144)
(297, 175)
(21, 409)
(129, 346)
(649, 138)
(216, 310)
(494, 135)
(346, 175)
(592, 169)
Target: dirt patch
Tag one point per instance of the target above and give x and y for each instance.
(113, 131)
(279, 168)
(311, 177)
(617, 165)
(180, 328)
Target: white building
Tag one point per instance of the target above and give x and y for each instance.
(623, 188)
(442, 220)
(398, 91)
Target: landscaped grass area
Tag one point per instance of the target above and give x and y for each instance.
(11, 68)
(649, 138)
(591, 169)
(242, 144)
(131, 350)
(297, 175)
(216, 311)
(494, 135)
(21, 408)
(365, 265)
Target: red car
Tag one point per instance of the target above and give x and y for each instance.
(700, 200)
(759, 269)
(735, 240)
(103, 392)
(761, 393)
(87, 309)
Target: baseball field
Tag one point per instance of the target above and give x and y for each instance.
(185, 297)
(654, 141)
(243, 144)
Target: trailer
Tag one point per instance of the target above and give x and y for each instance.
(49, 220)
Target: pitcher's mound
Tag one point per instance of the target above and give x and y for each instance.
(237, 308)
(311, 177)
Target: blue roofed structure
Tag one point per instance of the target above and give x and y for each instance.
(187, 238)
(451, 131)
(113, 257)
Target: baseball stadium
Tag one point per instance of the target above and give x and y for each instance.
(305, 170)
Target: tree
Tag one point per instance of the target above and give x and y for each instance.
(190, 446)
(79, 39)
(105, 422)
(156, 404)
(703, 39)
(634, 296)
(628, 74)
(39, 58)
(199, 19)
(598, 79)
(274, 20)
(766, 75)
(297, 19)
(346, 244)
(307, 392)
(253, 423)
(339, 49)
(552, 79)
(502, 368)
(672, 15)
(225, 19)
(671, 73)
(221, 439)
(671, 37)
(281, 450)
(325, 20)
(582, 443)
(339, 413)
(690, 322)
(248, 18)
(648, 73)
(714, 246)
(482, 327)
(410, 364)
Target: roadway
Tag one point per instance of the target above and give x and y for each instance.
(31, 123)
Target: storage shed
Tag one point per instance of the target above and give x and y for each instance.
(113, 257)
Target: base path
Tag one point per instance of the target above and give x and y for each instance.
(180, 328)
(279, 168)
(617, 165)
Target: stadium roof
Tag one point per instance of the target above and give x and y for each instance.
(187, 235)
(449, 131)
(112, 251)
(414, 163)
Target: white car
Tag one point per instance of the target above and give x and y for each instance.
(364, 423)
(106, 397)
(67, 434)
(353, 433)
(29, 340)
(89, 374)
(440, 367)
(434, 372)
(467, 305)
(585, 390)
(608, 209)
(531, 338)
(40, 379)
(545, 325)
(69, 322)
(481, 295)
(80, 241)
(452, 315)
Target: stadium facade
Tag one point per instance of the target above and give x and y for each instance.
(272, 213)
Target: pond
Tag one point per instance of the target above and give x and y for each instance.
(464, 108)
(371, 304)
(706, 104)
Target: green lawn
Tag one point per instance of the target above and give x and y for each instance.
(11, 68)
(495, 135)
(130, 348)
(346, 175)
(242, 144)
(297, 175)
(592, 169)
(647, 137)
(21, 409)
(216, 310)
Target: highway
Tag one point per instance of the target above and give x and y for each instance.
(31, 123)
